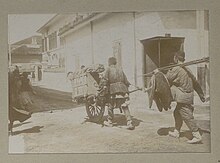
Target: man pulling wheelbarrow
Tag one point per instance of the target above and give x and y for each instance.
(115, 80)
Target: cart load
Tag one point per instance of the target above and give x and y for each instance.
(85, 84)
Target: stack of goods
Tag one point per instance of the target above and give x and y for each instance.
(98, 68)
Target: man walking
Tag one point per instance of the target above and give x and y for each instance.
(117, 85)
(182, 87)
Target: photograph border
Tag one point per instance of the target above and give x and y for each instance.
(65, 6)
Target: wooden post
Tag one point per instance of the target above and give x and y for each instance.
(159, 52)
(9, 48)
(201, 72)
(9, 53)
(143, 64)
(92, 50)
(47, 40)
(135, 59)
(58, 40)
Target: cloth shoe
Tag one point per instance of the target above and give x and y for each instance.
(175, 133)
(129, 125)
(196, 138)
(108, 123)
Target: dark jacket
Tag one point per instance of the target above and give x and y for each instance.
(116, 80)
(16, 112)
(26, 86)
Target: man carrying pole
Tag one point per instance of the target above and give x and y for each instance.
(182, 83)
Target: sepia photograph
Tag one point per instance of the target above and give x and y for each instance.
(109, 82)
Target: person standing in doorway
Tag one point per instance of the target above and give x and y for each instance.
(33, 76)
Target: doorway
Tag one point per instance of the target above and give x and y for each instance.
(159, 52)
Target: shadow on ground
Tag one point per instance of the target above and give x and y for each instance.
(187, 134)
(119, 120)
(35, 129)
(20, 124)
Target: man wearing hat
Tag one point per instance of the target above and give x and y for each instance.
(182, 81)
(117, 85)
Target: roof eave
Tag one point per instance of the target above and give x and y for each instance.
(43, 28)
(82, 23)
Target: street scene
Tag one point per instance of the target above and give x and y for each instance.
(135, 82)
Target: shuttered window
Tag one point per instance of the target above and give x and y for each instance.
(53, 41)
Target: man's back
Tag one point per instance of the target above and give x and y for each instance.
(115, 74)
(179, 77)
(117, 80)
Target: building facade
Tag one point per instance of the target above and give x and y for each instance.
(141, 41)
(27, 55)
(28, 50)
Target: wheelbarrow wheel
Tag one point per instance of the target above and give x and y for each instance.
(95, 112)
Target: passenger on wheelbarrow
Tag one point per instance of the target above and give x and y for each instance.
(118, 94)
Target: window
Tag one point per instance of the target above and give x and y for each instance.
(52, 41)
(62, 60)
(62, 41)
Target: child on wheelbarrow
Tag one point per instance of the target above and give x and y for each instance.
(118, 96)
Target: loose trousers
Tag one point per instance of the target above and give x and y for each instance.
(184, 112)
(117, 103)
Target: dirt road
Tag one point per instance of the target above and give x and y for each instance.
(68, 131)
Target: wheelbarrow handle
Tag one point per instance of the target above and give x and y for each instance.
(141, 89)
(147, 89)
(138, 89)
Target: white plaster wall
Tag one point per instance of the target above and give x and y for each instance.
(129, 48)
(56, 81)
(149, 25)
(112, 28)
(120, 26)
(78, 43)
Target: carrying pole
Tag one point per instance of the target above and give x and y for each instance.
(206, 59)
